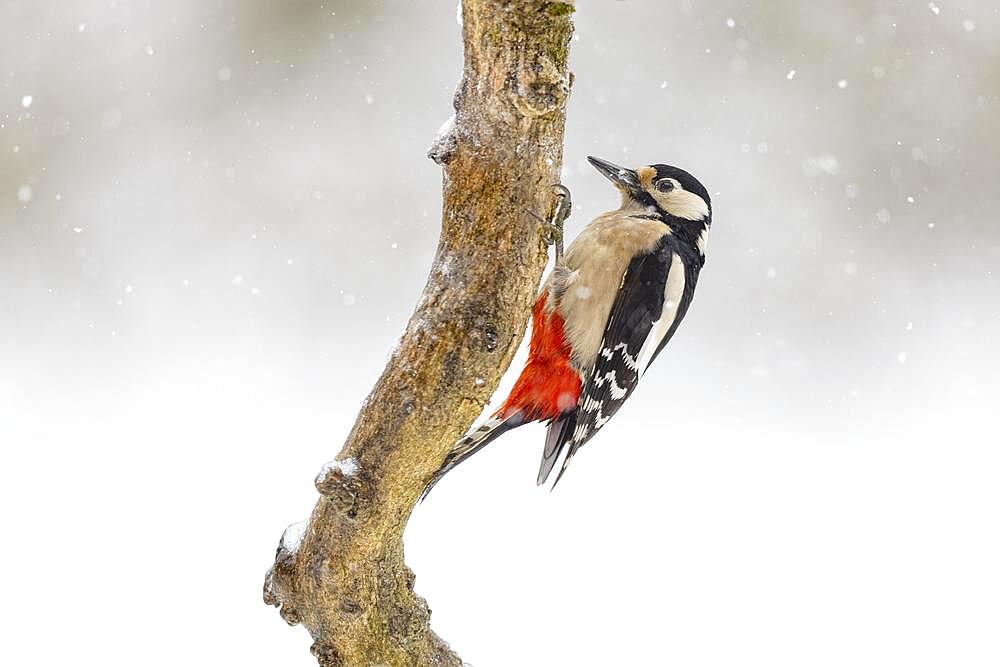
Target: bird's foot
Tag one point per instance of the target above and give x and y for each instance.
(552, 234)
(552, 229)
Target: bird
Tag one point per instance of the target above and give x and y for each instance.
(611, 303)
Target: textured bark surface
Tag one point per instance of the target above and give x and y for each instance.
(342, 575)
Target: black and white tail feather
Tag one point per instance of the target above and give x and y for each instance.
(474, 441)
(559, 431)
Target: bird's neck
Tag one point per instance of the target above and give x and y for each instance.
(689, 233)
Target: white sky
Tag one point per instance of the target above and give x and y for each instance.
(215, 219)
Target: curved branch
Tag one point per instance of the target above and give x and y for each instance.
(342, 574)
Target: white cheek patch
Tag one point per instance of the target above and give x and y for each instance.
(683, 204)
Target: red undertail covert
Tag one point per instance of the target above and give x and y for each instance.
(548, 385)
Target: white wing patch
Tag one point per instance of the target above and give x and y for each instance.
(703, 241)
(673, 291)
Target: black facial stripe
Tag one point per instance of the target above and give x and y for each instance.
(646, 199)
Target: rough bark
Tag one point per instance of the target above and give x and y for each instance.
(342, 574)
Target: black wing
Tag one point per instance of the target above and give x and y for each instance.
(634, 315)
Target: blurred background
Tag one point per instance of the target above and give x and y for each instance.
(216, 216)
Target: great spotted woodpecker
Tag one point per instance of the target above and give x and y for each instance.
(605, 312)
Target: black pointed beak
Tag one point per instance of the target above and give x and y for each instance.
(625, 179)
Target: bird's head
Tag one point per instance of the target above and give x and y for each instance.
(666, 192)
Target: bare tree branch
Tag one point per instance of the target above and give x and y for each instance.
(342, 574)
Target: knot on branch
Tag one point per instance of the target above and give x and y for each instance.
(279, 581)
(326, 656)
(541, 88)
(445, 143)
(338, 481)
(277, 593)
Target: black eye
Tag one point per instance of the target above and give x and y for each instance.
(664, 185)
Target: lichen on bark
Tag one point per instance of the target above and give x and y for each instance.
(344, 577)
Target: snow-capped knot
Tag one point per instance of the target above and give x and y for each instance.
(346, 468)
(278, 586)
(338, 481)
(445, 143)
(291, 540)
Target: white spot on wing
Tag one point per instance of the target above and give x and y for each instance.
(616, 391)
(630, 361)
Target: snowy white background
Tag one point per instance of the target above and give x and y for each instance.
(215, 217)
